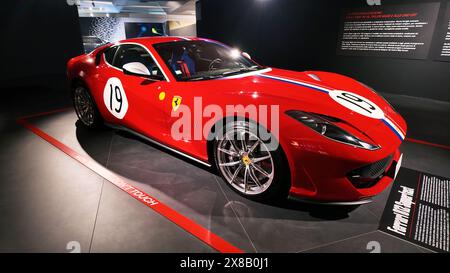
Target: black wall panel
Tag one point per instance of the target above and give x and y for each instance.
(302, 35)
(280, 33)
(37, 39)
(420, 78)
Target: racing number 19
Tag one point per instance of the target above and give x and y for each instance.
(117, 96)
(363, 104)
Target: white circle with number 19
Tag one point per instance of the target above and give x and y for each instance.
(357, 103)
(115, 98)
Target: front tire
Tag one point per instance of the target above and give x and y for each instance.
(255, 168)
(85, 107)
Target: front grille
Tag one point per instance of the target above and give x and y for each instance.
(369, 175)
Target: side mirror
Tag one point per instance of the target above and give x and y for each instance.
(139, 69)
(246, 55)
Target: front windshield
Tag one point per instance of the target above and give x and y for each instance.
(200, 60)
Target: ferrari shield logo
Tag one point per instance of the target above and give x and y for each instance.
(176, 101)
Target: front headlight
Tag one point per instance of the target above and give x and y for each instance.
(329, 130)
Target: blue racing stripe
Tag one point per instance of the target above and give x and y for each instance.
(323, 90)
(393, 129)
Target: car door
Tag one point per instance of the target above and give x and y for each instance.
(133, 101)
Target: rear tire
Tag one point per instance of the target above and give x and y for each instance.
(87, 111)
(247, 164)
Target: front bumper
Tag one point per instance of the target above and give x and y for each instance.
(321, 168)
(333, 186)
(331, 203)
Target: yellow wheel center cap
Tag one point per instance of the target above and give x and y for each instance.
(246, 160)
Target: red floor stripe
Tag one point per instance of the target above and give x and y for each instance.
(428, 143)
(45, 113)
(187, 224)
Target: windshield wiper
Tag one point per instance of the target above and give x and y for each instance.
(224, 74)
(199, 78)
(242, 70)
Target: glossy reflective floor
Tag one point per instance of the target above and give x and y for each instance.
(48, 199)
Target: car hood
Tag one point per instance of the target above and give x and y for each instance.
(315, 91)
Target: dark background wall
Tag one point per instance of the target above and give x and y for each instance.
(302, 35)
(38, 37)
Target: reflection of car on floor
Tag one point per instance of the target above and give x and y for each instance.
(338, 139)
(91, 42)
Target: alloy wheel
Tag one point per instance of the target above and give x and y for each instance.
(245, 161)
(84, 106)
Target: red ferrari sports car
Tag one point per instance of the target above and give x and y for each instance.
(329, 138)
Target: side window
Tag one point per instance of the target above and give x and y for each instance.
(135, 53)
(109, 54)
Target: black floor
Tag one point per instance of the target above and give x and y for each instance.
(48, 199)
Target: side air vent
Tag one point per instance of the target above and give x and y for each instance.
(369, 175)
